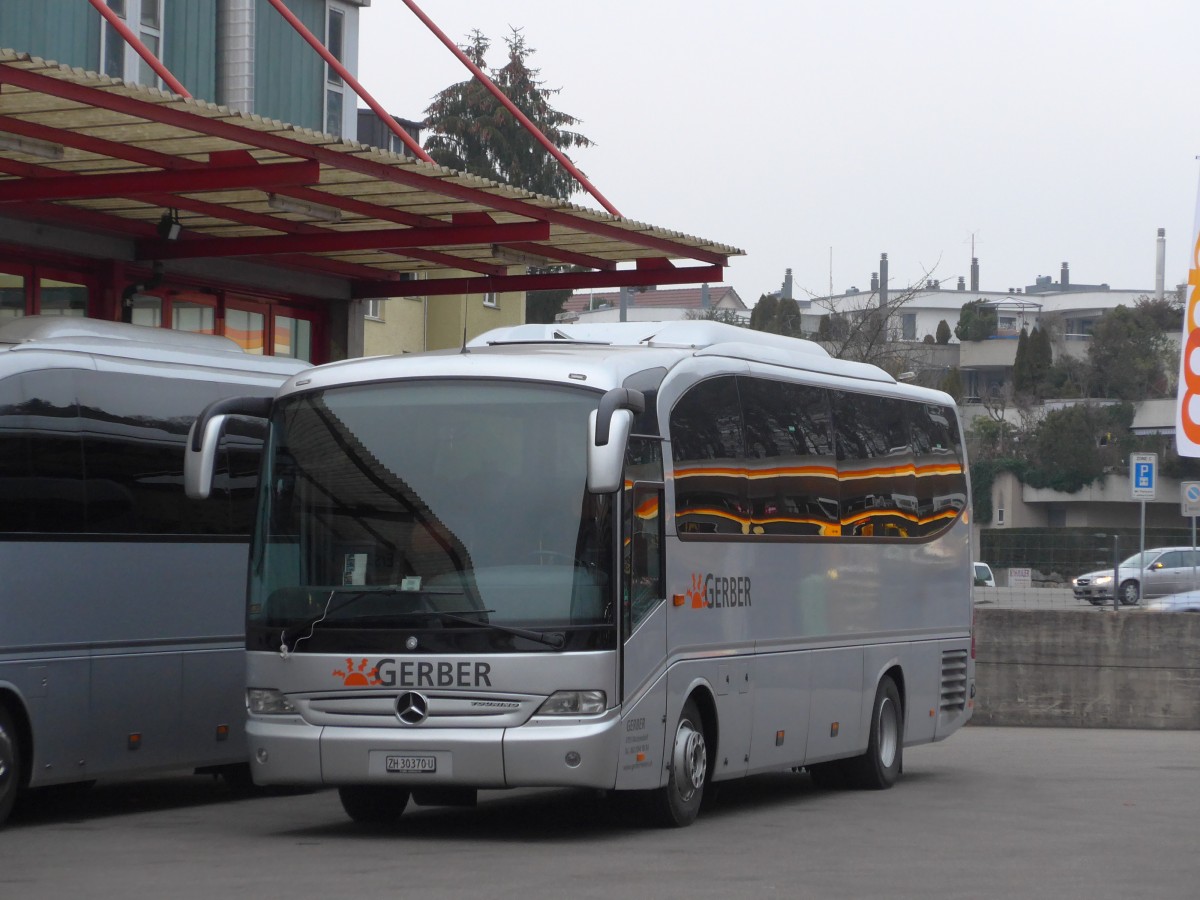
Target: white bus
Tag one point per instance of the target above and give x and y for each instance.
(637, 557)
(121, 613)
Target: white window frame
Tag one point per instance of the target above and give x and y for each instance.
(131, 62)
(374, 310)
(491, 300)
(332, 83)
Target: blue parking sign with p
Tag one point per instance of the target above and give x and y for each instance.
(1144, 475)
(1142, 467)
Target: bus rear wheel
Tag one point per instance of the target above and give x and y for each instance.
(371, 805)
(10, 764)
(678, 802)
(879, 767)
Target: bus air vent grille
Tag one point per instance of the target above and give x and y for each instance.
(954, 681)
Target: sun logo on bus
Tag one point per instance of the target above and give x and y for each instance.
(696, 593)
(358, 677)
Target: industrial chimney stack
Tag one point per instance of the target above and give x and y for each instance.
(974, 273)
(1160, 265)
(883, 282)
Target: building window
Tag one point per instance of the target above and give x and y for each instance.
(999, 515)
(119, 60)
(12, 295)
(374, 310)
(489, 299)
(335, 88)
(198, 316)
(146, 309)
(293, 337)
(908, 326)
(247, 329)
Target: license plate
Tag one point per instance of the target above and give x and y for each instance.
(411, 763)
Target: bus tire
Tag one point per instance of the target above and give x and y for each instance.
(371, 805)
(677, 803)
(10, 764)
(879, 767)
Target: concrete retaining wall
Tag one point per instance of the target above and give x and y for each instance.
(1087, 668)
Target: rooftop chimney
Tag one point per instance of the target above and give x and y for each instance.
(962, 283)
(1160, 265)
(883, 281)
(785, 292)
(1064, 280)
(974, 273)
(874, 282)
(705, 300)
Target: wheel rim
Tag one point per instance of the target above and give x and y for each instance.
(888, 729)
(690, 760)
(1131, 594)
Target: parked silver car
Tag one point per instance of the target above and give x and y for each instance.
(1154, 573)
(1188, 601)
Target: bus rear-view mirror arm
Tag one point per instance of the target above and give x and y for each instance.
(199, 460)
(608, 432)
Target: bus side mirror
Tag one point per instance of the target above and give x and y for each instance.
(608, 432)
(204, 437)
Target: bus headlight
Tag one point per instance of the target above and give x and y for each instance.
(268, 702)
(574, 703)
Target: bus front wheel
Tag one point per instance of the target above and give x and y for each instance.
(678, 802)
(10, 764)
(372, 805)
(880, 766)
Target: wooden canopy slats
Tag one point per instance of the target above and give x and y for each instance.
(130, 153)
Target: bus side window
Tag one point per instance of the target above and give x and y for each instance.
(708, 446)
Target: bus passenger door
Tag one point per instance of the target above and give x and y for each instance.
(643, 638)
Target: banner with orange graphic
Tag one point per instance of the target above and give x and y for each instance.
(1187, 405)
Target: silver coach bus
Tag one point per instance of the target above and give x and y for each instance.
(121, 613)
(639, 557)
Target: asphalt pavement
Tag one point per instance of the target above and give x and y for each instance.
(989, 813)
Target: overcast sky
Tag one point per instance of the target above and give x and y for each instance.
(804, 132)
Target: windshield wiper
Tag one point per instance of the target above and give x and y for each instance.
(295, 630)
(555, 640)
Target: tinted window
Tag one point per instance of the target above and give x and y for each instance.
(760, 457)
(792, 482)
(875, 467)
(41, 464)
(134, 428)
(941, 486)
(708, 452)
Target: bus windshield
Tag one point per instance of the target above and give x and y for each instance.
(440, 515)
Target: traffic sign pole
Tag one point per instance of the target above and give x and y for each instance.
(1143, 480)
(1190, 503)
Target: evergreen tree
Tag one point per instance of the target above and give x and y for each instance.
(943, 332)
(1022, 377)
(765, 312)
(471, 131)
(1128, 356)
(976, 322)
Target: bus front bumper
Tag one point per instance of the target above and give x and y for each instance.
(544, 752)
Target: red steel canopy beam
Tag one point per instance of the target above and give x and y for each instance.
(562, 158)
(134, 184)
(434, 287)
(142, 50)
(343, 241)
(117, 150)
(186, 119)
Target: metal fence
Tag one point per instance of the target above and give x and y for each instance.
(1034, 567)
